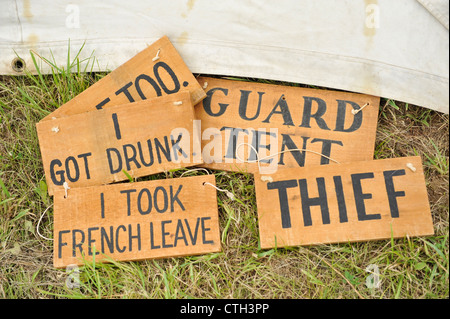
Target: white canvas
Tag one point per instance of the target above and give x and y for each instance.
(393, 49)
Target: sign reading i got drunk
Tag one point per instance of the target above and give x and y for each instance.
(135, 221)
(157, 70)
(295, 125)
(100, 147)
(340, 203)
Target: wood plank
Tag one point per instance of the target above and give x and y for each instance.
(136, 221)
(356, 201)
(276, 118)
(137, 79)
(141, 138)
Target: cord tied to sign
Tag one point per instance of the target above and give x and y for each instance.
(258, 159)
(354, 112)
(66, 188)
(267, 179)
(194, 170)
(156, 58)
(39, 223)
(227, 192)
(411, 167)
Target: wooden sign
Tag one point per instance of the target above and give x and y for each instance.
(158, 70)
(135, 221)
(343, 203)
(101, 147)
(296, 126)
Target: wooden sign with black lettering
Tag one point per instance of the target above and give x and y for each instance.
(138, 139)
(158, 70)
(298, 123)
(343, 203)
(135, 221)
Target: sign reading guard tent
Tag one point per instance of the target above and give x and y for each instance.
(298, 123)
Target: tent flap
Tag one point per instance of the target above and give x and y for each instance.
(393, 49)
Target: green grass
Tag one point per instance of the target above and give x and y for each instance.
(407, 267)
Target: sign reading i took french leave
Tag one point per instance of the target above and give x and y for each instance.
(135, 221)
(101, 147)
(305, 126)
(356, 201)
(158, 70)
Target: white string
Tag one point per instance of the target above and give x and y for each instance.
(39, 222)
(258, 160)
(66, 187)
(267, 179)
(177, 102)
(229, 194)
(195, 169)
(157, 56)
(354, 112)
(411, 167)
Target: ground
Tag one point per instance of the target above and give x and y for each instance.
(407, 267)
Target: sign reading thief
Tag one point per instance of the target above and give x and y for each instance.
(340, 203)
(158, 70)
(138, 139)
(135, 221)
(296, 126)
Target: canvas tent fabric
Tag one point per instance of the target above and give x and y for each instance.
(393, 49)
